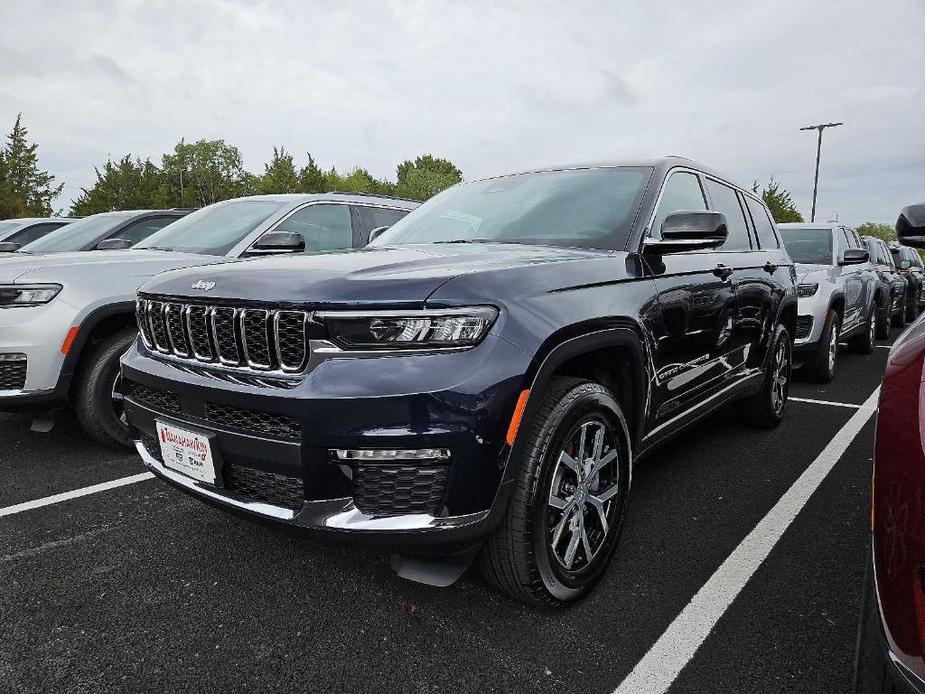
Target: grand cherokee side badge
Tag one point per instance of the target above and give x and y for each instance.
(203, 285)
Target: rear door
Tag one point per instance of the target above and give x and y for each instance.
(692, 322)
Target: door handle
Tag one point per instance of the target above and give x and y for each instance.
(770, 268)
(722, 271)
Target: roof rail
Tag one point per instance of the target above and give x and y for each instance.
(372, 195)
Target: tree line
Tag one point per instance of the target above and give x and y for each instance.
(196, 174)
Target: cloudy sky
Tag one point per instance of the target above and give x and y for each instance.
(492, 86)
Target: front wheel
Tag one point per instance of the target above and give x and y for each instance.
(820, 367)
(567, 505)
(97, 397)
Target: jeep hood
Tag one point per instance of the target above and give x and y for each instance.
(386, 275)
(813, 273)
(65, 268)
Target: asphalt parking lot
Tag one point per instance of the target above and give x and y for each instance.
(140, 587)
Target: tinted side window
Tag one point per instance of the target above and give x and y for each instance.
(682, 192)
(30, 234)
(375, 217)
(324, 227)
(143, 228)
(726, 200)
(763, 225)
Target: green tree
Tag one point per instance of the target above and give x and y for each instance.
(25, 190)
(311, 177)
(279, 175)
(778, 200)
(881, 231)
(425, 177)
(128, 184)
(206, 171)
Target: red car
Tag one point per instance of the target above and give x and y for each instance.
(891, 653)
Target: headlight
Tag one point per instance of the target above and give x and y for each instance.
(27, 294)
(807, 289)
(408, 330)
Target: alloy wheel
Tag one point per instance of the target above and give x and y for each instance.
(582, 494)
(833, 345)
(780, 377)
(118, 400)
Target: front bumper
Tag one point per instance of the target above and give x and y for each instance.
(37, 332)
(279, 441)
(812, 312)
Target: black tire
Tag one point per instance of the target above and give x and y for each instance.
(899, 318)
(865, 341)
(767, 407)
(521, 557)
(883, 323)
(93, 390)
(912, 307)
(820, 367)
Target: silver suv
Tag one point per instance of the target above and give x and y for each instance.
(836, 290)
(65, 319)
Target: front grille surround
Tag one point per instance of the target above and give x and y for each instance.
(260, 340)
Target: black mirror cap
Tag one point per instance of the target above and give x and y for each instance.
(9, 246)
(910, 227)
(114, 244)
(280, 242)
(854, 256)
(374, 233)
(689, 231)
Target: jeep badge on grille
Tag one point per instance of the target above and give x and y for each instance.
(203, 285)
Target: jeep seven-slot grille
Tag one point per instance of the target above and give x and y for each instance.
(250, 338)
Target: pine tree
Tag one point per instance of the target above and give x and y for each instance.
(778, 200)
(25, 190)
(128, 184)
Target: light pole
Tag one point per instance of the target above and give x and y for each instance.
(820, 128)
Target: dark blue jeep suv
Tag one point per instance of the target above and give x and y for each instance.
(480, 380)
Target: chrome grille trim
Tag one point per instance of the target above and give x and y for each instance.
(256, 341)
(261, 341)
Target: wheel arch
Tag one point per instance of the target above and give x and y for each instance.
(100, 323)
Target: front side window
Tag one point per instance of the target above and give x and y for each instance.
(725, 199)
(73, 237)
(216, 229)
(808, 245)
(842, 243)
(682, 192)
(588, 208)
(143, 228)
(33, 233)
(324, 227)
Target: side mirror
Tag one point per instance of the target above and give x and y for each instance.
(854, 256)
(689, 231)
(114, 244)
(9, 246)
(905, 264)
(274, 242)
(374, 233)
(910, 227)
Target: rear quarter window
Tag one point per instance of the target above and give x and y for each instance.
(764, 227)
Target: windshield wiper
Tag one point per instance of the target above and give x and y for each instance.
(156, 248)
(471, 241)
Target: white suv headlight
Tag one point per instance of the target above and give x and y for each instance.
(27, 294)
(408, 330)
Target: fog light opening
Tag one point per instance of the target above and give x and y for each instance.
(12, 356)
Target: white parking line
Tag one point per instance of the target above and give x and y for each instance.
(73, 494)
(885, 346)
(828, 402)
(680, 641)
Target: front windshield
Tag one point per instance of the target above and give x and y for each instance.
(591, 208)
(214, 230)
(73, 237)
(808, 245)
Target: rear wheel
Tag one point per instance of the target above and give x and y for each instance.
(97, 397)
(820, 367)
(767, 407)
(567, 506)
(863, 343)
